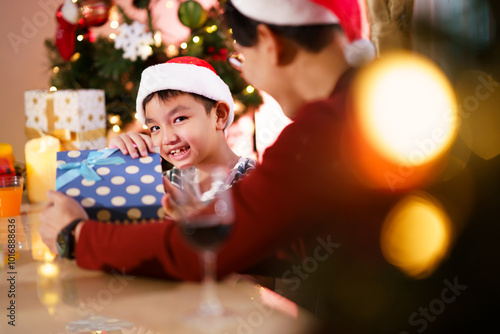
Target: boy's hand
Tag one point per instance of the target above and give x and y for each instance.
(170, 199)
(61, 211)
(182, 204)
(131, 142)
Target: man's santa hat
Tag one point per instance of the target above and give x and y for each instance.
(186, 74)
(347, 13)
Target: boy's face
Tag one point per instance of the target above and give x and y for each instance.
(182, 129)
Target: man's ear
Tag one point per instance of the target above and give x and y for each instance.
(222, 114)
(268, 42)
(280, 49)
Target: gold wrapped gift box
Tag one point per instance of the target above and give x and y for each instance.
(76, 117)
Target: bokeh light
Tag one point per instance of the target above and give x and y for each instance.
(416, 235)
(172, 51)
(405, 120)
(114, 119)
(409, 108)
(158, 39)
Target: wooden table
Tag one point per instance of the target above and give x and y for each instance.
(53, 297)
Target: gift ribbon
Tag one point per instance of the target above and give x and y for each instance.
(85, 167)
(65, 136)
(50, 111)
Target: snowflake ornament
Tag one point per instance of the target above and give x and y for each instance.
(135, 41)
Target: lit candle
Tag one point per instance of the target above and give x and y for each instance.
(41, 167)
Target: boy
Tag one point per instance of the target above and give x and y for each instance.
(187, 108)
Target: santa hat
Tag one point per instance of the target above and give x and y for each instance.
(186, 74)
(347, 13)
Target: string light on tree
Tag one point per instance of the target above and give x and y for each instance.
(114, 119)
(172, 51)
(157, 38)
(211, 29)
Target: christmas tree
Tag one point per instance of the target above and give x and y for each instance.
(114, 63)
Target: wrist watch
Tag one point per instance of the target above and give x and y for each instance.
(66, 240)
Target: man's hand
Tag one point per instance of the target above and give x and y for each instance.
(60, 211)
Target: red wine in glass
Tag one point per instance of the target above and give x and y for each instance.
(206, 233)
(207, 222)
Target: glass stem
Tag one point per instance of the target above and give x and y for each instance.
(210, 303)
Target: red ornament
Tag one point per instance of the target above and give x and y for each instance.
(94, 12)
(223, 52)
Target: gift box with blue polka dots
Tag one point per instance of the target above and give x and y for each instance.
(119, 188)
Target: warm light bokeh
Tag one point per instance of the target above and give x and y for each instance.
(405, 119)
(416, 235)
(409, 108)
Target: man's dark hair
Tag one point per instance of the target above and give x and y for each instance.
(313, 38)
(165, 95)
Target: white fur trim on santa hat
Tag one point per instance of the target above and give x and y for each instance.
(187, 78)
(70, 12)
(359, 52)
(285, 12)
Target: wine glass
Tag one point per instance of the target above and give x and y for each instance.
(207, 218)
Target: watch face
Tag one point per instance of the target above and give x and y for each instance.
(61, 244)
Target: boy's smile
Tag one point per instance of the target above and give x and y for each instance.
(182, 129)
(179, 153)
